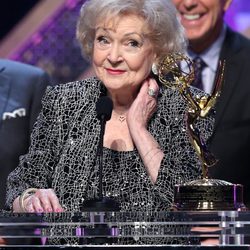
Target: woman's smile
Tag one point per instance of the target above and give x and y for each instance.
(115, 71)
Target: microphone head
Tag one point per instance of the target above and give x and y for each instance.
(104, 107)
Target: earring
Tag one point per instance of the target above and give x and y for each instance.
(154, 69)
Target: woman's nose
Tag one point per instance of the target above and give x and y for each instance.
(115, 53)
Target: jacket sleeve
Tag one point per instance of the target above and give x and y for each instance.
(35, 169)
(42, 81)
(180, 163)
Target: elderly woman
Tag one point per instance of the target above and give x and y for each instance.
(146, 145)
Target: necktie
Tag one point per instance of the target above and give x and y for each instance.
(199, 65)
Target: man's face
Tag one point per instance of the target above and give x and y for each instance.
(202, 20)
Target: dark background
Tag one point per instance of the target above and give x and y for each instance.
(12, 11)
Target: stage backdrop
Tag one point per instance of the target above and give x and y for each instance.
(46, 37)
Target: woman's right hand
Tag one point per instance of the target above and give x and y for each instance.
(143, 106)
(42, 201)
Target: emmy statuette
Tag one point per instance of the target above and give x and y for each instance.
(203, 194)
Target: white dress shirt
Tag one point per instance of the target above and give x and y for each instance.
(211, 57)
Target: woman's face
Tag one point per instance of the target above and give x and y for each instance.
(122, 55)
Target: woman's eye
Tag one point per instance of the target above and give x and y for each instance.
(133, 43)
(102, 40)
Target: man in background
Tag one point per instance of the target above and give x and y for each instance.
(212, 40)
(21, 89)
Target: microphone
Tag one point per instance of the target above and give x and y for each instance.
(104, 107)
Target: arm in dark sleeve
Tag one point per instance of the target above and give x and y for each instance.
(42, 81)
(180, 163)
(36, 167)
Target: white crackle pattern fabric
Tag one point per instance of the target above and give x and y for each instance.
(64, 143)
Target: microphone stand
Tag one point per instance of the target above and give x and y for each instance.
(101, 204)
(101, 233)
(100, 155)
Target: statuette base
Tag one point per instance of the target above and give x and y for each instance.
(209, 194)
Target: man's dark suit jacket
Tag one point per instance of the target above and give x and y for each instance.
(21, 89)
(230, 142)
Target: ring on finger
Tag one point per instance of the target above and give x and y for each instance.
(151, 92)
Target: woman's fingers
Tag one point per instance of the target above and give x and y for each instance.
(56, 207)
(29, 204)
(144, 105)
(43, 201)
(153, 88)
(46, 199)
(150, 88)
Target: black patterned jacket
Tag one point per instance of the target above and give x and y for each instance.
(65, 138)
